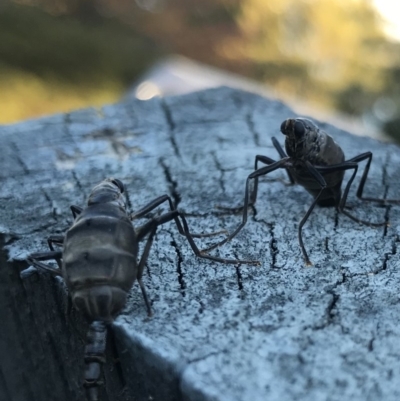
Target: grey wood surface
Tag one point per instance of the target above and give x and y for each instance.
(280, 331)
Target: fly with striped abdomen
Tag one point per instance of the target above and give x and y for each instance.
(99, 262)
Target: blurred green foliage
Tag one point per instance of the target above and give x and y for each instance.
(330, 53)
(327, 45)
(70, 50)
(50, 64)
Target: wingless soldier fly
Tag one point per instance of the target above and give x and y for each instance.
(99, 263)
(317, 163)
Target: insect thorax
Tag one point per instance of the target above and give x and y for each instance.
(318, 148)
(100, 251)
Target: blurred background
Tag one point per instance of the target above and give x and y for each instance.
(336, 58)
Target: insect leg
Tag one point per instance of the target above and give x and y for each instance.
(150, 227)
(142, 263)
(260, 172)
(151, 206)
(157, 202)
(55, 239)
(357, 159)
(253, 192)
(282, 154)
(261, 159)
(341, 207)
(58, 240)
(36, 260)
(321, 181)
(76, 210)
(201, 254)
(175, 215)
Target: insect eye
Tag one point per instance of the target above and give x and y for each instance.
(299, 129)
(119, 184)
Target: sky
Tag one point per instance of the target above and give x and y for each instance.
(390, 11)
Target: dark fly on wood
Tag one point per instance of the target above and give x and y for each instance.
(316, 162)
(99, 262)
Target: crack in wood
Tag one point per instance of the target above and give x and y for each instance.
(179, 270)
(388, 255)
(255, 134)
(172, 127)
(239, 275)
(17, 156)
(173, 185)
(273, 245)
(221, 170)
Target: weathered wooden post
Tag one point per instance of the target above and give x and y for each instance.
(280, 331)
